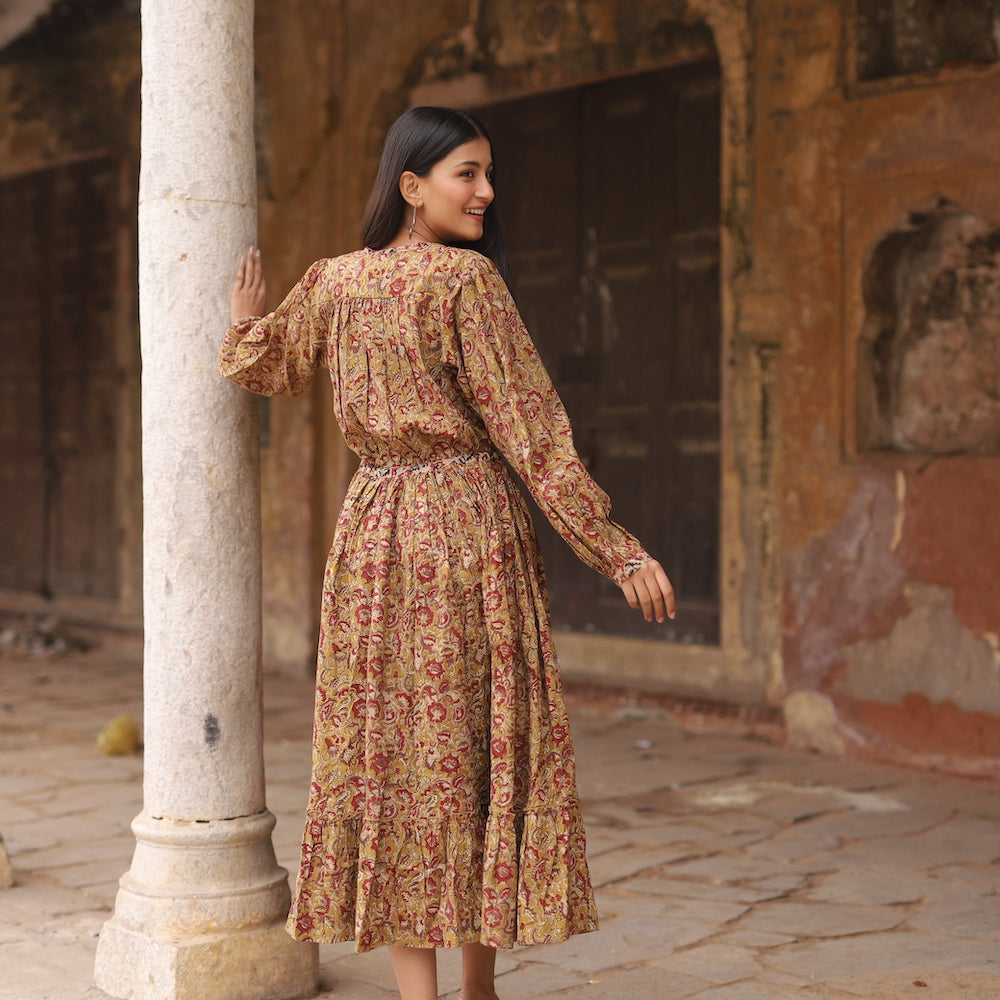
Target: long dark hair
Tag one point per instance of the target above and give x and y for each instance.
(417, 140)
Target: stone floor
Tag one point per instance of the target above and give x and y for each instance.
(727, 868)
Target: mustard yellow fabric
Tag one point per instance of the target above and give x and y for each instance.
(443, 807)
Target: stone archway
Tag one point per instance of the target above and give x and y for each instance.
(379, 59)
(475, 55)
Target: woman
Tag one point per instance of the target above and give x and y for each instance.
(443, 809)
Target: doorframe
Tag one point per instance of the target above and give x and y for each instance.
(746, 666)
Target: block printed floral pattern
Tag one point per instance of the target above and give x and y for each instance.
(443, 806)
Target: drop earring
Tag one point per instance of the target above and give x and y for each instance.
(413, 222)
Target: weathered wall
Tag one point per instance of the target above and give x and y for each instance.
(301, 164)
(876, 213)
(860, 259)
(850, 572)
(333, 79)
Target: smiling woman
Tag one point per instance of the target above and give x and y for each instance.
(424, 150)
(450, 202)
(443, 808)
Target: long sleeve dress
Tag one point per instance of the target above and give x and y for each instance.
(443, 806)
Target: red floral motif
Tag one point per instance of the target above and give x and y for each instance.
(443, 807)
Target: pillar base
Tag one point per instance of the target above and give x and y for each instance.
(259, 964)
(200, 915)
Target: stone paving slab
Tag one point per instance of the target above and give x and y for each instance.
(626, 941)
(766, 988)
(647, 981)
(962, 917)
(677, 910)
(923, 852)
(728, 823)
(74, 852)
(47, 942)
(36, 896)
(939, 983)
(853, 824)
(822, 920)
(974, 875)
(49, 833)
(793, 845)
(868, 888)
(899, 952)
(727, 869)
(716, 963)
(624, 862)
(740, 868)
(663, 885)
(757, 940)
(536, 979)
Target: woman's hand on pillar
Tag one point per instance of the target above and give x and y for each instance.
(649, 589)
(249, 294)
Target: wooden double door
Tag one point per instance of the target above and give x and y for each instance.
(60, 381)
(609, 198)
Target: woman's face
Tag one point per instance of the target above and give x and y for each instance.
(455, 194)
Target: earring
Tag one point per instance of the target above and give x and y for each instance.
(413, 222)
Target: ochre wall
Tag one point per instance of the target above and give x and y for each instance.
(304, 462)
(859, 585)
(332, 81)
(890, 599)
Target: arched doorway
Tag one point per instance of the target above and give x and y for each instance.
(609, 195)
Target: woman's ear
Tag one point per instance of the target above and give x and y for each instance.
(409, 187)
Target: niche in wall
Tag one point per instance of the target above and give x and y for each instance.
(929, 351)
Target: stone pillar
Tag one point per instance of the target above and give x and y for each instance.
(200, 914)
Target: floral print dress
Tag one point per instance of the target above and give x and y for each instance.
(443, 807)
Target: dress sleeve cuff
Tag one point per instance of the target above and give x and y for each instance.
(631, 566)
(235, 354)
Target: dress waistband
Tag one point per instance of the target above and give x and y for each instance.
(406, 468)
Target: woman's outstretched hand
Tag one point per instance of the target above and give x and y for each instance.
(249, 294)
(649, 589)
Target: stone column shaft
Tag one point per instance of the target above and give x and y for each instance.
(200, 914)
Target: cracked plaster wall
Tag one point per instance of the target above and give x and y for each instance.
(824, 548)
(868, 535)
(821, 540)
(928, 650)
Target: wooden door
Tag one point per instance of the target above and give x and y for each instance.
(23, 466)
(60, 382)
(609, 197)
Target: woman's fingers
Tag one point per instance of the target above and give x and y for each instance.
(667, 601)
(249, 292)
(254, 270)
(650, 590)
(248, 269)
(256, 276)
